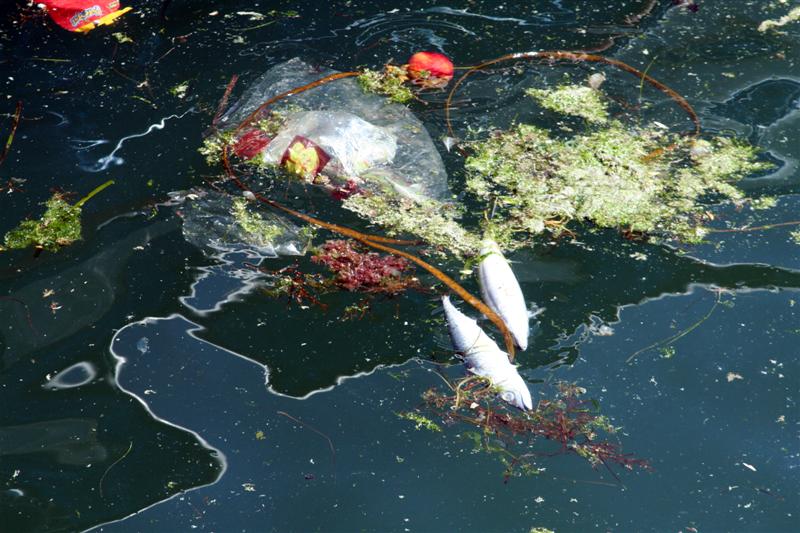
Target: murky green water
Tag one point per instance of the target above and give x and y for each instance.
(154, 388)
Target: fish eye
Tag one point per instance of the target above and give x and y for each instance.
(508, 396)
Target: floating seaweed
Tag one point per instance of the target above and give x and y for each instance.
(299, 287)
(253, 224)
(433, 221)
(389, 82)
(578, 100)
(614, 175)
(59, 226)
(356, 270)
(353, 269)
(570, 423)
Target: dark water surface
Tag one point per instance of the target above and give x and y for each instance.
(154, 390)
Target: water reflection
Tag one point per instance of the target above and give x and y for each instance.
(73, 376)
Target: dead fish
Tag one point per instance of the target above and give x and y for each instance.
(501, 292)
(484, 358)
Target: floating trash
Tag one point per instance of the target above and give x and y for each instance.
(353, 135)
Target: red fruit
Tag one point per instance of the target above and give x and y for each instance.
(430, 64)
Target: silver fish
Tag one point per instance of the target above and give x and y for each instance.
(484, 358)
(501, 292)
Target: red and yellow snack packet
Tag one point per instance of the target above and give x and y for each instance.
(304, 157)
(83, 15)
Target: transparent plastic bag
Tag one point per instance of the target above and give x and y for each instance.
(364, 136)
(217, 222)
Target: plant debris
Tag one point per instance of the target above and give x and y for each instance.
(421, 422)
(353, 270)
(258, 230)
(432, 221)
(179, 91)
(613, 176)
(577, 100)
(59, 226)
(389, 82)
(569, 421)
(360, 271)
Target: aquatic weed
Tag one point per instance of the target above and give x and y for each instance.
(259, 231)
(615, 176)
(356, 270)
(59, 226)
(578, 100)
(389, 82)
(420, 421)
(432, 221)
(568, 420)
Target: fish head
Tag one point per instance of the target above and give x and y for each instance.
(515, 392)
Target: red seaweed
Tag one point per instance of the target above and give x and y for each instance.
(568, 420)
(360, 271)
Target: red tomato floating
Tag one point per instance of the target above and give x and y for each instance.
(430, 64)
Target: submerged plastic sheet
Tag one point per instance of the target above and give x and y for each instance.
(366, 135)
(210, 223)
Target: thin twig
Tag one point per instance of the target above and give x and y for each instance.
(51, 59)
(223, 103)
(93, 192)
(318, 432)
(123, 456)
(641, 82)
(754, 228)
(14, 124)
(680, 334)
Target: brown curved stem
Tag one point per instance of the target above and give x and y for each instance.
(579, 57)
(369, 240)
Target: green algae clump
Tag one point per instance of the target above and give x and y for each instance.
(258, 229)
(59, 226)
(432, 221)
(213, 145)
(389, 82)
(638, 179)
(577, 100)
(420, 421)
